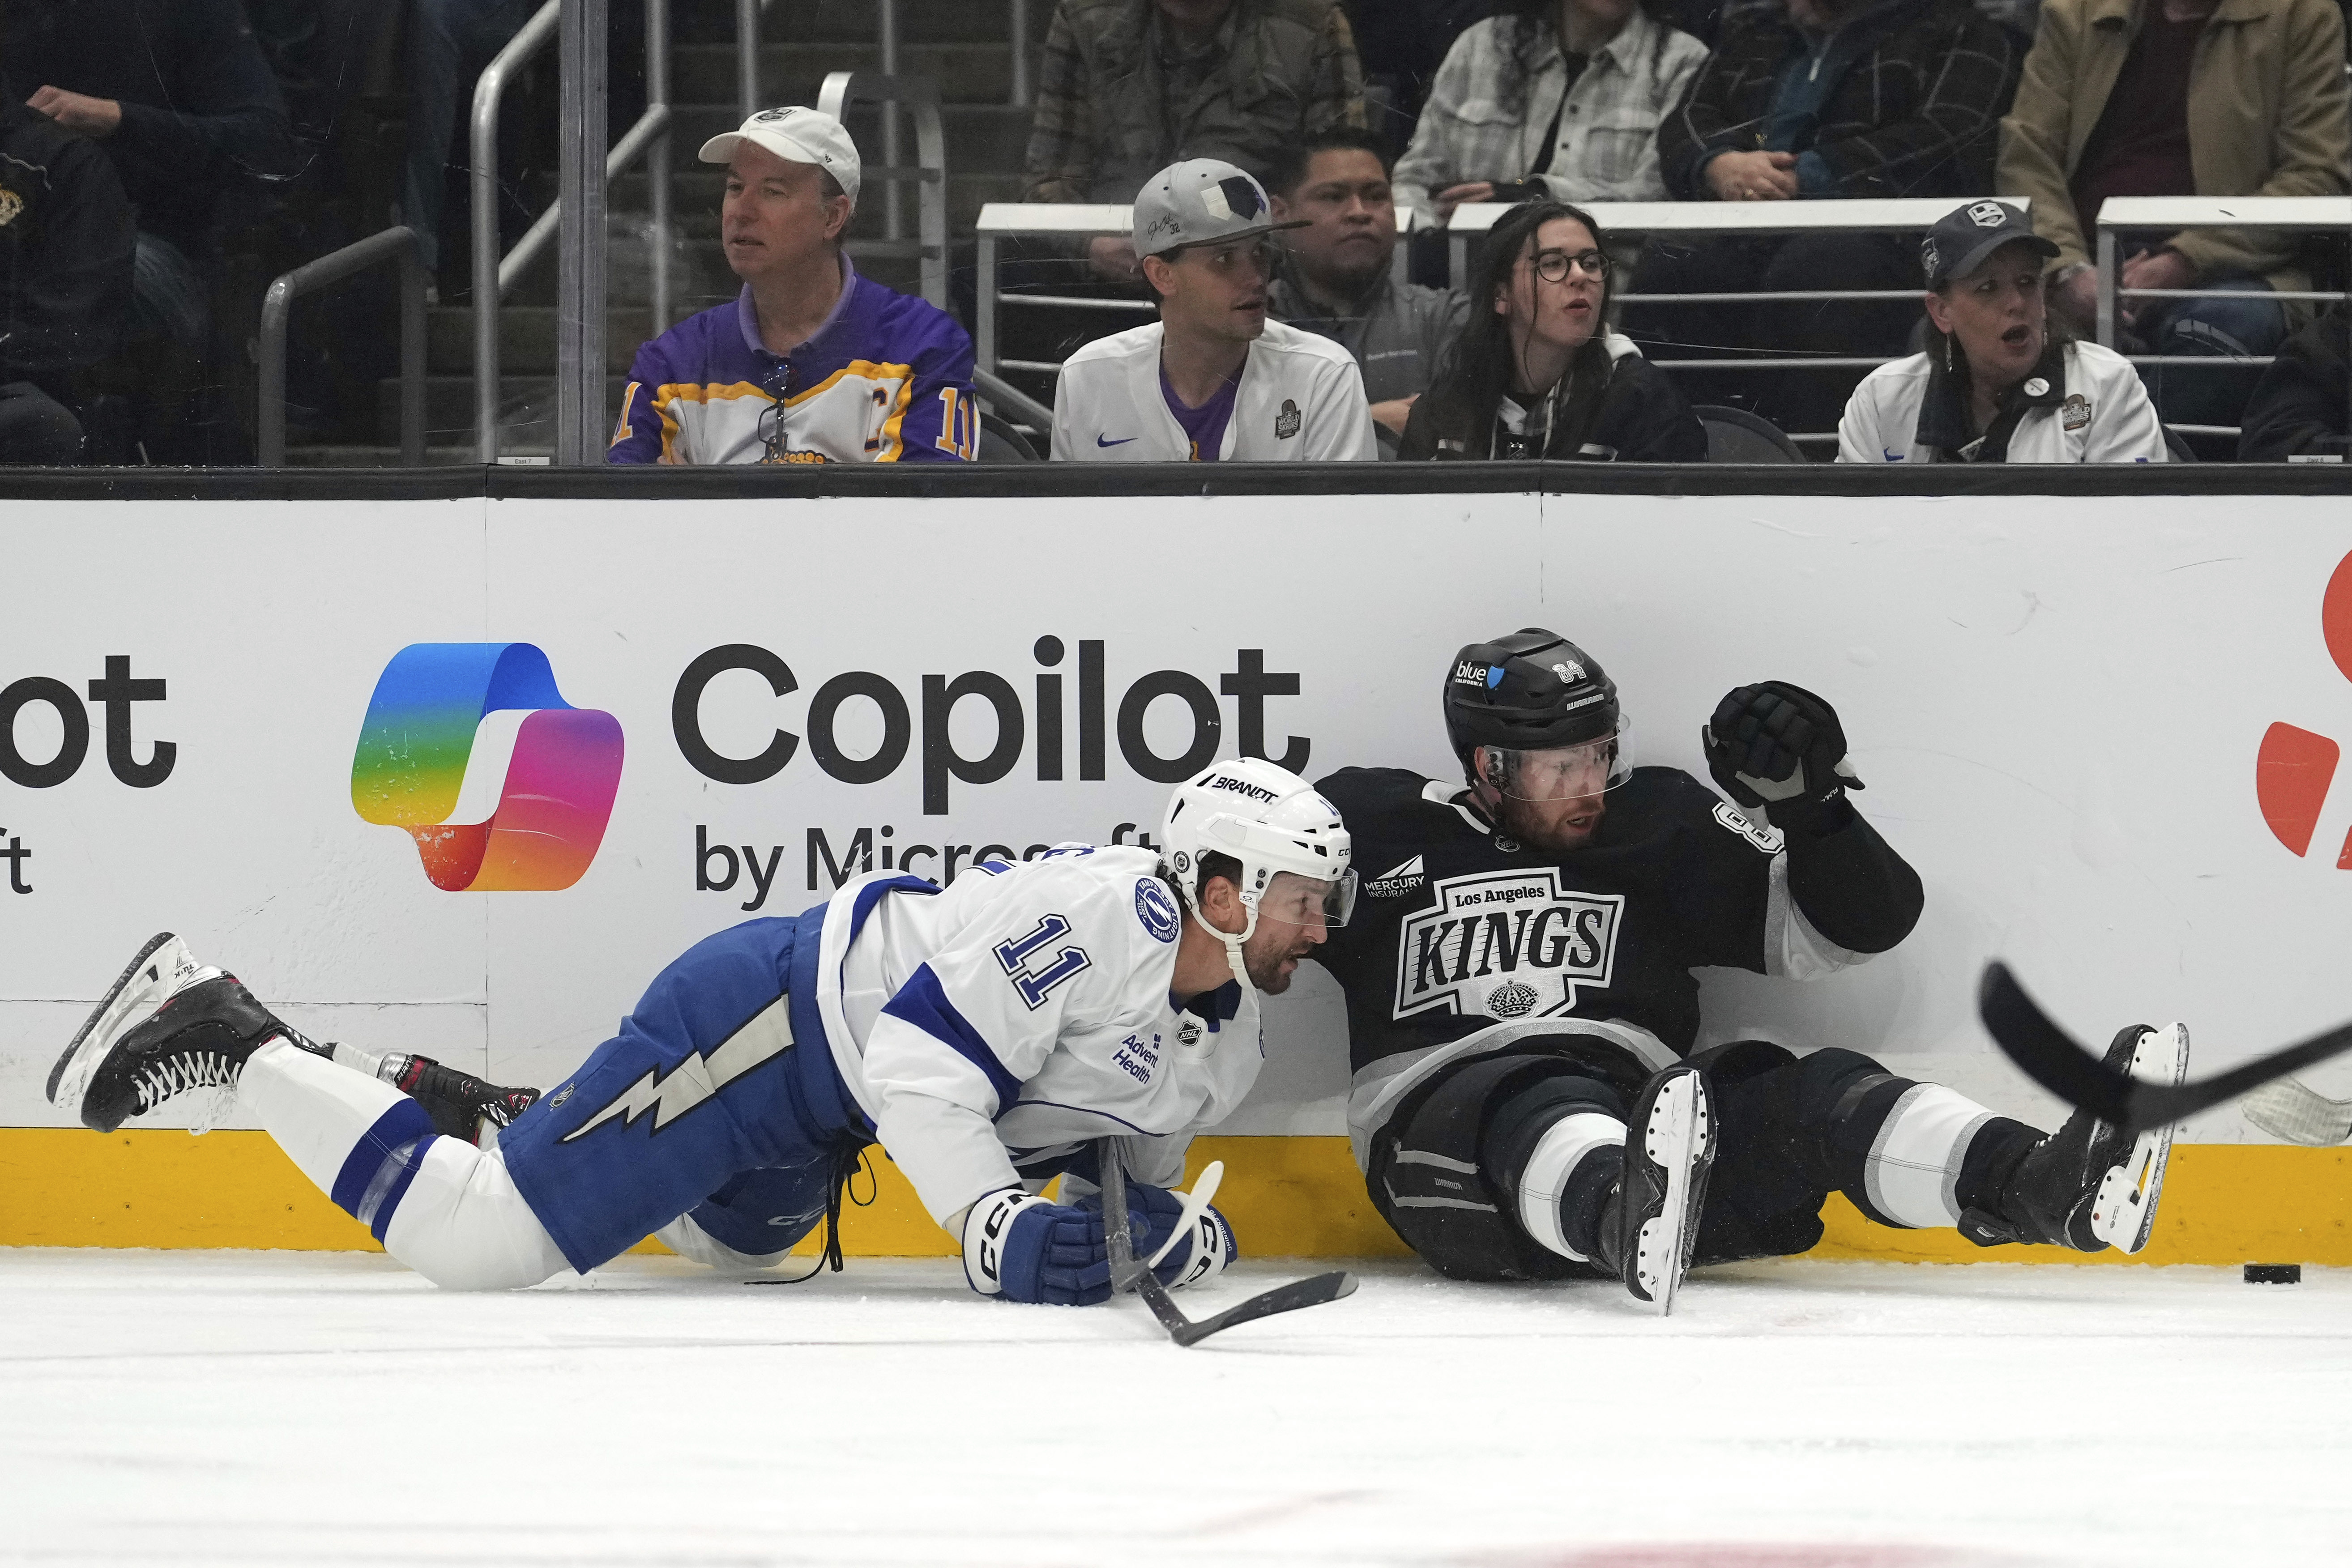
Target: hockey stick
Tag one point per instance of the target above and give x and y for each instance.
(2052, 1058)
(2299, 1113)
(1127, 1274)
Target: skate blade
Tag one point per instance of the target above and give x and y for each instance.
(2124, 1214)
(1677, 1141)
(162, 968)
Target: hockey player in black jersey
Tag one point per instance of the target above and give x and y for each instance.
(1520, 994)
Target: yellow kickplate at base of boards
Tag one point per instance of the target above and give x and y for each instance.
(1286, 1196)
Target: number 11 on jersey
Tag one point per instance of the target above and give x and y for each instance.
(1036, 983)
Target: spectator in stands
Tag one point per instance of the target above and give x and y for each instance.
(65, 281)
(179, 96)
(811, 364)
(1212, 380)
(2168, 97)
(1130, 86)
(2000, 382)
(1550, 99)
(1336, 274)
(1401, 44)
(2302, 407)
(1821, 99)
(1537, 373)
(449, 43)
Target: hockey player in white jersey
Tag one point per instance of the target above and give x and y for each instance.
(986, 1035)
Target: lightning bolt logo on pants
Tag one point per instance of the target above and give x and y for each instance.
(699, 1077)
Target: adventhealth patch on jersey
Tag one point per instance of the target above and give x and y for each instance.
(1507, 944)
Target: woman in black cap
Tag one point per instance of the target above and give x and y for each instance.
(2000, 383)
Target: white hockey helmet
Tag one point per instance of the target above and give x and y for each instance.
(1268, 820)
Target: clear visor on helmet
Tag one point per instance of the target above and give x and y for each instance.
(1563, 772)
(1291, 899)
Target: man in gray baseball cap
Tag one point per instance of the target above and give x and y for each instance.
(1212, 380)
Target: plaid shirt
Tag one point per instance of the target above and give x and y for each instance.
(1117, 100)
(1912, 107)
(1480, 124)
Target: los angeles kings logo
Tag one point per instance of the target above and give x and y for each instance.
(1506, 944)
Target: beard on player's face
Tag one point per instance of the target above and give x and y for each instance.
(1556, 825)
(1273, 952)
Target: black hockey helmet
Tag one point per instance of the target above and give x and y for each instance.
(1526, 691)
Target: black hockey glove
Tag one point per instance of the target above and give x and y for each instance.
(1780, 746)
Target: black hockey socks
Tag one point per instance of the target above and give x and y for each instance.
(1556, 1150)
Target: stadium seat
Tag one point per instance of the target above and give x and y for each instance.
(1736, 435)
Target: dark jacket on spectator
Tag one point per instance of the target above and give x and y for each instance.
(2304, 399)
(200, 111)
(1634, 415)
(1280, 69)
(1908, 100)
(64, 252)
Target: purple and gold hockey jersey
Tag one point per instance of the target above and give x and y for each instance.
(887, 379)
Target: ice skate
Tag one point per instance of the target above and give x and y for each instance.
(461, 1106)
(1651, 1225)
(2090, 1186)
(168, 1026)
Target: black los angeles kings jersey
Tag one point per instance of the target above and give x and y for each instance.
(1457, 928)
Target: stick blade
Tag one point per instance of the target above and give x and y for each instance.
(1309, 1293)
(2046, 1053)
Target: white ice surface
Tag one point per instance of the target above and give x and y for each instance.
(289, 1407)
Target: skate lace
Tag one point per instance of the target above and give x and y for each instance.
(177, 1074)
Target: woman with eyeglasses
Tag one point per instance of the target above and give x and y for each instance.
(1537, 373)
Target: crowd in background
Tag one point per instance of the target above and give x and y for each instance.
(160, 159)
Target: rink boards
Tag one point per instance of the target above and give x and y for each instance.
(2101, 727)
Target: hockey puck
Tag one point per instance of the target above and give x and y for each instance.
(2273, 1273)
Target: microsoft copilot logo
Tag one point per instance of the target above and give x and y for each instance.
(420, 733)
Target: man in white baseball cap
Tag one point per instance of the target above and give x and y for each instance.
(811, 364)
(1212, 380)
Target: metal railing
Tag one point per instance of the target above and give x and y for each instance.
(1000, 221)
(920, 97)
(398, 243)
(496, 276)
(2293, 214)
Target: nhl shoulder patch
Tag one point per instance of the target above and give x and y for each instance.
(1155, 909)
(1768, 839)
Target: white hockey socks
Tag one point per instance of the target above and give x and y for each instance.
(1912, 1173)
(1552, 1164)
(430, 1200)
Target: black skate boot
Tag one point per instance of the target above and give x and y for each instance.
(2089, 1184)
(169, 1025)
(1649, 1223)
(461, 1106)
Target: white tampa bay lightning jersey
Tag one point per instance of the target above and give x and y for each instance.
(1024, 1010)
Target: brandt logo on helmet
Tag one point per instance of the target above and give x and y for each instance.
(1988, 216)
(1495, 935)
(1242, 787)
